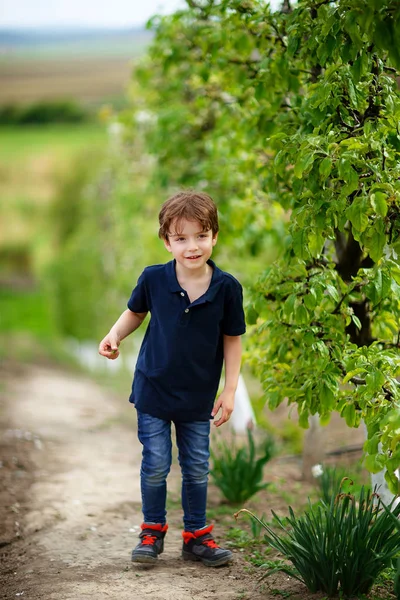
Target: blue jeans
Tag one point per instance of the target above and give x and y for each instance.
(193, 441)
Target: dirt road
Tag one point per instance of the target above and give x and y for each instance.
(71, 500)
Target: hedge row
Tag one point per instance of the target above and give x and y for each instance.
(43, 112)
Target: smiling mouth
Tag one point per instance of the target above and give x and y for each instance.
(193, 257)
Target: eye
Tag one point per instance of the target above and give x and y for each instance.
(203, 235)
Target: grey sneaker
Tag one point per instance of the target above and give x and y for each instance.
(200, 545)
(151, 543)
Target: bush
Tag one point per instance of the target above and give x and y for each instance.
(237, 472)
(342, 545)
(41, 113)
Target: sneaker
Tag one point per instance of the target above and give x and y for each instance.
(151, 543)
(200, 545)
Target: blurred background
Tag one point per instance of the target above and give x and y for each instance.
(78, 200)
(65, 77)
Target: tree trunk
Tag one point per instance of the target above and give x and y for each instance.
(313, 450)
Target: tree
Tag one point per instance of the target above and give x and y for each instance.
(293, 118)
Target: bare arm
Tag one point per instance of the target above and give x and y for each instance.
(233, 358)
(127, 323)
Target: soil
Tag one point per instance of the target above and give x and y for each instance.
(70, 501)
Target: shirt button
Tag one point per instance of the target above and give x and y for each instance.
(186, 310)
(182, 293)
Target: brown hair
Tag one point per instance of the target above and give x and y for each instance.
(189, 205)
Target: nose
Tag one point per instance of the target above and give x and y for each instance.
(193, 245)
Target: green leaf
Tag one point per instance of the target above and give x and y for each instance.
(379, 203)
(393, 482)
(374, 463)
(353, 373)
(356, 213)
(288, 307)
(316, 242)
(378, 287)
(302, 317)
(310, 300)
(327, 398)
(332, 291)
(349, 414)
(303, 163)
(300, 243)
(372, 445)
(303, 419)
(377, 241)
(325, 167)
(375, 381)
(251, 315)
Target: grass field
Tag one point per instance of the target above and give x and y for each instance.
(85, 79)
(18, 144)
(31, 159)
(93, 70)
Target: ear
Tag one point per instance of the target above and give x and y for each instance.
(167, 244)
(214, 240)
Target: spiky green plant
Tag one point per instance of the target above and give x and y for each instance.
(329, 482)
(237, 471)
(397, 580)
(343, 545)
(396, 524)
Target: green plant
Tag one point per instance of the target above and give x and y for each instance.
(256, 527)
(397, 580)
(343, 545)
(330, 482)
(396, 524)
(237, 471)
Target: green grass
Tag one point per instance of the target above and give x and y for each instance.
(18, 144)
(25, 312)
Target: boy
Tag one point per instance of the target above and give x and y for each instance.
(196, 323)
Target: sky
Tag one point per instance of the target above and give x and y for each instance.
(92, 13)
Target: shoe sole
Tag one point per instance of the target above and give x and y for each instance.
(209, 563)
(146, 560)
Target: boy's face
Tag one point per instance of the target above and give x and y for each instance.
(189, 244)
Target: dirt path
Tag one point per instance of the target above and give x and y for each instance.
(75, 501)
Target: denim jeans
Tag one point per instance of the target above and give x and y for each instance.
(193, 441)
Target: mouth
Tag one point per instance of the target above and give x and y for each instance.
(193, 257)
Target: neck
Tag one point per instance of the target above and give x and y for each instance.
(185, 274)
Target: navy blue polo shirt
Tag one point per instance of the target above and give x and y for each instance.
(180, 361)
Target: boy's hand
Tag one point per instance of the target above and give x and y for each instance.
(109, 347)
(226, 402)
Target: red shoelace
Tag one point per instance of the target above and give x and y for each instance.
(210, 543)
(149, 540)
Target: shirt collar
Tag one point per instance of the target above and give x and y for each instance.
(216, 279)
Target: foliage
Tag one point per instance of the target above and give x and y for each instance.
(291, 120)
(105, 232)
(237, 471)
(43, 113)
(342, 545)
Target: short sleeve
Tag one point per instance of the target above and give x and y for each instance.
(139, 300)
(234, 320)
